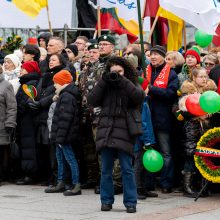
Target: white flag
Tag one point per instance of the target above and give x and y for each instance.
(203, 14)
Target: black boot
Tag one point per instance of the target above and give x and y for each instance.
(187, 184)
(140, 194)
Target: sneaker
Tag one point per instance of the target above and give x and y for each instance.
(131, 209)
(75, 190)
(106, 207)
(60, 187)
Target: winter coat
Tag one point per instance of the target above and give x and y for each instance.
(8, 109)
(194, 127)
(65, 123)
(162, 100)
(114, 101)
(25, 125)
(46, 91)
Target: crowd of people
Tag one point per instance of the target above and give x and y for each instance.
(74, 134)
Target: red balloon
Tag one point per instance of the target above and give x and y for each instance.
(192, 105)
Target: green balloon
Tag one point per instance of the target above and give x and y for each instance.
(210, 102)
(152, 160)
(203, 39)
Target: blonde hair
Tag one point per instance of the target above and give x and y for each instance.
(211, 56)
(215, 50)
(196, 71)
(177, 57)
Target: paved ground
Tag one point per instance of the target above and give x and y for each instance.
(30, 202)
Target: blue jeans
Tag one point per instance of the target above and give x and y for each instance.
(164, 142)
(65, 152)
(128, 178)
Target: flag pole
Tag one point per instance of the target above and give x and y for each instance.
(184, 35)
(99, 20)
(152, 28)
(141, 37)
(48, 17)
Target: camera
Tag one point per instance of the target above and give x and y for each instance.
(113, 76)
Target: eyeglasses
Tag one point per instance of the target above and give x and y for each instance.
(104, 45)
(209, 64)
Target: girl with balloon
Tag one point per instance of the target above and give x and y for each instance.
(196, 121)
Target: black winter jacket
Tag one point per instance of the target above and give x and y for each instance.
(65, 123)
(112, 129)
(46, 91)
(25, 126)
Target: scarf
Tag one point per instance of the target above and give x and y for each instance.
(162, 79)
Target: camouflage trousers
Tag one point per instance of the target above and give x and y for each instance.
(90, 155)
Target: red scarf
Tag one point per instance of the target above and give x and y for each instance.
(162, 79)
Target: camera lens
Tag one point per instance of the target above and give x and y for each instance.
(113, 76)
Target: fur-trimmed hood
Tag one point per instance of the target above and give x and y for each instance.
(191, 88)
(188, 88)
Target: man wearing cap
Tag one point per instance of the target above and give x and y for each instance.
(162, 92)
(87, 82)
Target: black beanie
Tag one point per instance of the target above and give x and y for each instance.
(73, 48)
(158, 49)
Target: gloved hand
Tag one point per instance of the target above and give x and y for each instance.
(148, 146)
(34, 105)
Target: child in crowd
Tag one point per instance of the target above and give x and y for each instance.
(144, 179)
(194, 126)
(64, 131)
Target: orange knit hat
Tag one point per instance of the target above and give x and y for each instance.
(63, 77)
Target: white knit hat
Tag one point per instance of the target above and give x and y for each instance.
(15, 60)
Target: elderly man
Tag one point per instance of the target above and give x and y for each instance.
(162, 91)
